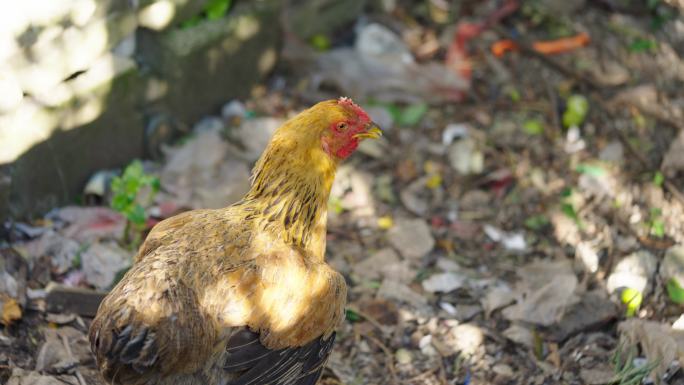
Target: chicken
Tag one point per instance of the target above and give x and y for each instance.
(239, 295)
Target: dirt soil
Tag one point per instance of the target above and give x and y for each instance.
(528, 229)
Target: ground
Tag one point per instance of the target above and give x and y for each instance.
(524, 226)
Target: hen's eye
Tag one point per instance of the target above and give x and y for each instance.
(342, 126)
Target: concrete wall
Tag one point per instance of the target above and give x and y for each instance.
(80, 80)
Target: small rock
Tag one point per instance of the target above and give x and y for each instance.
(547, 289)
(465, 158)
(610, 73)
(510, 241)
(102, 261)
(503, 370)
(233, 109)
(412, 238)
(415, 196)
(634, 271)
(403, 356)
(384, 264)
(587, 256)
(672, 266)
(465, 313)
(592, 311)
(391, 289)
(520, 335)
(443, 282)
(612, 152)
(496, 298)
(464, 338)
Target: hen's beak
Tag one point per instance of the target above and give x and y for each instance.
(372, 132)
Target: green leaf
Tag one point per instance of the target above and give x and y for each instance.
(642, 45)
(536, 222)
(120, 202)
(216, 9)
(352, 316)
(320, 42)
(412, 114)
(137, 215)
(533, 127)
(658, 178)
(658, 228)
(590, 169)
(632, 298)
(191, 22)
(576, 110)
(569, 211)
(675, 291)
(514, 94)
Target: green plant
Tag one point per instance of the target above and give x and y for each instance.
(656, 226)
(127, 192)
(626, 373)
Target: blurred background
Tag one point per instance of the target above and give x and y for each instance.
(520, 222)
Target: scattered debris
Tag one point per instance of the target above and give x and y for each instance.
(412, 238)
(547, 290)
(510, 241)
(633, 271)
(443, 282)
(102, 262)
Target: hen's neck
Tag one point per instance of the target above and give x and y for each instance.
(289, 196)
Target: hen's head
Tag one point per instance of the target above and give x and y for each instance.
(334, 126)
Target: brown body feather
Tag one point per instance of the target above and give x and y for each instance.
(240, 295)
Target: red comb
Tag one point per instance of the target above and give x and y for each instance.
(348, 103)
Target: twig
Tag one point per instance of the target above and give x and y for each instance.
(368, 318)
(423, 375)
(388, 357)
(78, 374)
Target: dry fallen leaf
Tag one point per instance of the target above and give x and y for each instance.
(659, 342)
(11, 311)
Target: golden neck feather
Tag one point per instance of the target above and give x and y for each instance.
(290, 189)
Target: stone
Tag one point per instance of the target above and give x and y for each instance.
(412, 238)
(591, 312)
(672, 266)
(393, 290)
(465, 339)
(634, 271)
(443, 282)
(384, 263)
(465, 157)
(102, 261)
